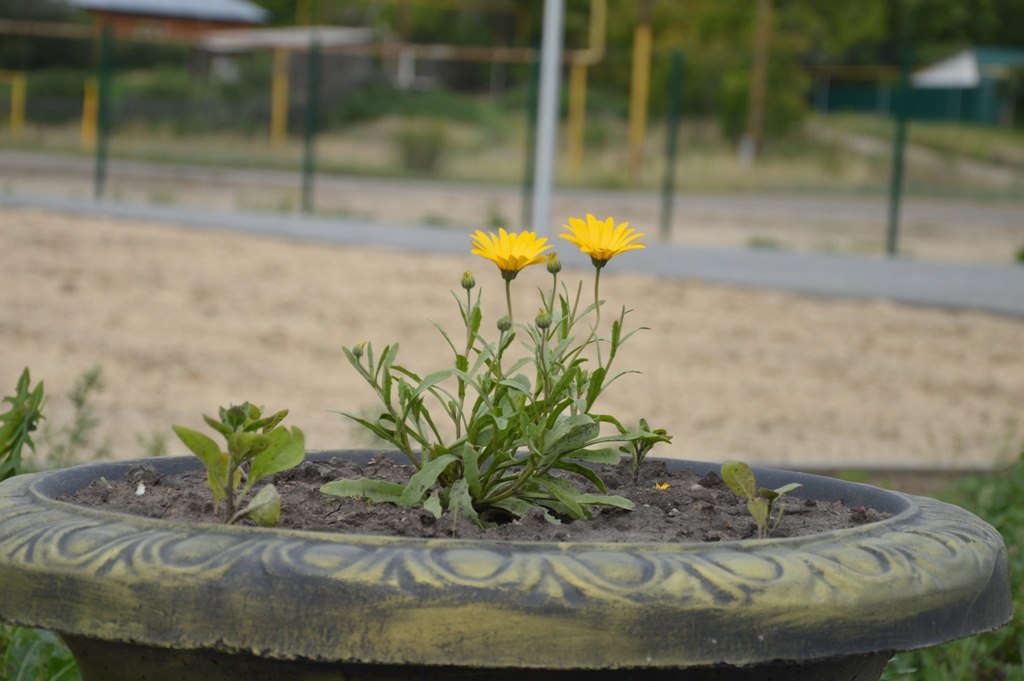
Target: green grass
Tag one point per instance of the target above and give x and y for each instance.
(972, 141)
(999, 655)
(34, 655)
(485, 140)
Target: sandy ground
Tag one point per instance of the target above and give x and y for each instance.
(182, 321)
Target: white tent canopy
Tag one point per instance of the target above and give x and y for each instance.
(959, 71)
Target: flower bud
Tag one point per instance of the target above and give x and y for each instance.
(357, 350)
(504, 324)
(554, 266)
(468, 282)
(543, 320)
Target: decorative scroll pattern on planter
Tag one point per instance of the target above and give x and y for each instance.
(338, 597)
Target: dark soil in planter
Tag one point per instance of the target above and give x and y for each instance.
(693, 508)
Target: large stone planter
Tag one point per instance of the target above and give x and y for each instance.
(145, 599)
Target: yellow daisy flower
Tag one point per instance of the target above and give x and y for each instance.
(511, 252)
(602, 240)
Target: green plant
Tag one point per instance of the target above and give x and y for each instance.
(739, 477)
(152, 444)
(18, 422)
(27, 654)
(639, 448)
(495, 218)
(35, 655)
(998, 655)
(68, 444)
(421, 145)
(257, 447)
(522, 429)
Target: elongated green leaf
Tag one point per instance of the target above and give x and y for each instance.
(424, 478)
(470, 458)
(606, 500)
(286, 450)
(517, 507)
(571, 434)
(581, 470)
(269, 423)
(606, 455)
(476, 317)
(387, 358)
(433, 504)
(217, 479)
(786, 489)
(595, 386)
(740, 479)
(203, 447)
(445, 336)
(357, 364)
(244, 445)
(430, 381)
(758, 508)
(374, 490)
(566, 496)
(221, 428)
(460, 500)
(264, 509)
(518, 383)
(376, 429)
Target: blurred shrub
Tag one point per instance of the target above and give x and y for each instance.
(54, 96)
(421, 144)
(380, 99)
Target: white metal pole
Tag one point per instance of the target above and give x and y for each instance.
(547, 114)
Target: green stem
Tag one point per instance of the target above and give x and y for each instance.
(551, 298)
(513, 486)
(508, 297)
(229, 493)
(597, 313)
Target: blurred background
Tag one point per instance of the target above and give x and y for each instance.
(864, 129)
(883, 126)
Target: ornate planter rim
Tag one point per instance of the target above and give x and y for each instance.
(930, 573)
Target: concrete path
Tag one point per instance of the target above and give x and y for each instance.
(993, 288)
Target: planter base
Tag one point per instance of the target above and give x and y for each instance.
(108, 661)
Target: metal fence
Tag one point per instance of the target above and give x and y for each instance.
(347, 127)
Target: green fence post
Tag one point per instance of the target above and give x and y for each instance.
(309, 136)
(675, 84)
(898, 149)
(103, 113)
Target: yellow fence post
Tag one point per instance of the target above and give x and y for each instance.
(581, 60)
(577, 116)
(16, 79)
(17, 103)
(638, 98)
(279, 98)
(90, 114)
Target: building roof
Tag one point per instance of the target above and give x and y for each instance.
(967, 68)
(295, 38)
(206, 10)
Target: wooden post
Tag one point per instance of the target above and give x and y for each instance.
(90, 114)
(750, 146)
(17, 103)
(279, 98)
(577, 117)
(640, 90)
